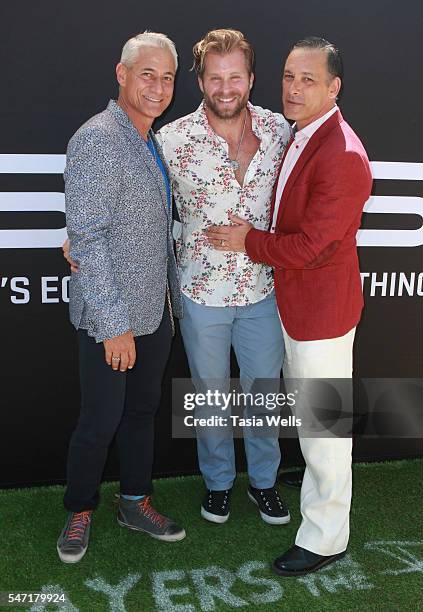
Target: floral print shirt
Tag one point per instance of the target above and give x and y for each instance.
(205, 189)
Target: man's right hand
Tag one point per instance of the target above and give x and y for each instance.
(120, 351)
(66, 255)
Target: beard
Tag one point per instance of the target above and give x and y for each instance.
(229, 113)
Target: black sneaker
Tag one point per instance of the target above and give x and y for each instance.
(271, 507)
(141, 516)
(73, 541)
(215, 506)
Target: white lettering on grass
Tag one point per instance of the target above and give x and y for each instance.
(274, 592)
(162, 593)
(116, 594)
(213, 584)
(345, 574)
(399, 550)
(223, 580)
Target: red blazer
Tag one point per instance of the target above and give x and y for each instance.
(313, 250)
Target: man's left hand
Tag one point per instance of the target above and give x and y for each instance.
(66, 254)
(229, 237)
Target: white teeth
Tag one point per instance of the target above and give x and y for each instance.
(152, 99)
(226, 99)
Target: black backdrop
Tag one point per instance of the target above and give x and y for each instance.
(58, 62)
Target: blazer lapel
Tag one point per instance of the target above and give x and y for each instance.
(310, 148)
(162, 183)
(143, 150)
(141, 147)
(275, 187)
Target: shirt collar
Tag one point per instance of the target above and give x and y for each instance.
(307, 132)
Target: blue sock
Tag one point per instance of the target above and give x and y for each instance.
(133, 497)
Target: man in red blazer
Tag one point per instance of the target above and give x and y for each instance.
(323, 184)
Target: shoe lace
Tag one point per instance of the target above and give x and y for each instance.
(149, 512)
(270, 496)
(78, 525)
(218, 497)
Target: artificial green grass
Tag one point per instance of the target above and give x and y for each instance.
(220, 567)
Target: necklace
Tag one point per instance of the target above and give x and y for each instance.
(234, 163)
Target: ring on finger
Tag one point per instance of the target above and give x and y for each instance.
(115, 358)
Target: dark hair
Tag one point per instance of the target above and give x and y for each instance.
(334, 59)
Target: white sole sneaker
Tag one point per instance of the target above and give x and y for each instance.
(70, 558)
(270, 520)
(214, 518)
(176, 537)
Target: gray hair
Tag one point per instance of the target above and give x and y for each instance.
(133, 46)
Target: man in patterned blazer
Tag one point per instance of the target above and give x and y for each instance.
(124, 296)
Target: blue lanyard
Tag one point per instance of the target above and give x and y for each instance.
(152, 148)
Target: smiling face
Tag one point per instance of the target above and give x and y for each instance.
(226, 83)
(146, 87)
(309, 91)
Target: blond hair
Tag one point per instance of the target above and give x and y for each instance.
(221, 41)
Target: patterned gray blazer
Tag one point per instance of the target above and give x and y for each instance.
(119, 228)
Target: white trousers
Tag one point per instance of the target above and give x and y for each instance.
(327, 483)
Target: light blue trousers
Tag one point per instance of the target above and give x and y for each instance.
(255, 333)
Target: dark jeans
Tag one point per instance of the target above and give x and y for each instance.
(121, 403)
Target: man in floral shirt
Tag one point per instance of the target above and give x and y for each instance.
(223, 158)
